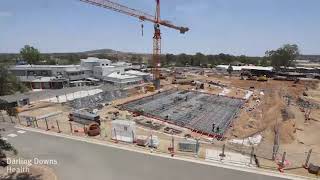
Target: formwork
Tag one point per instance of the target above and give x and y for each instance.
(204, 113)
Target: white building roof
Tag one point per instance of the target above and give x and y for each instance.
(117, 75)
(31, 66)
(137, 73)
(107, 66)
(123, 122)
(94, 60)
(44, 79)
(93, 79)
(269, 68)
(76, 69)
(239, 68)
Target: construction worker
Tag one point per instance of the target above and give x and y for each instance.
(218, 130)
(213, 126)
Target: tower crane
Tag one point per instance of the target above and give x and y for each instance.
(108, 4)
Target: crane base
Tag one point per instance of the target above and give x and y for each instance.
(156, 83)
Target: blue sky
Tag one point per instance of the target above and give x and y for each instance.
(237, 27)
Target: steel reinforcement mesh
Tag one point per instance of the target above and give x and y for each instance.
(194, 110)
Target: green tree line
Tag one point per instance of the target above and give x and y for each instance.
(282, 56)
(200, 59)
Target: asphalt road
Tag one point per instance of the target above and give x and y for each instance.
(81, 160)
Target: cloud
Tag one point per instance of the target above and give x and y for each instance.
(5, 14)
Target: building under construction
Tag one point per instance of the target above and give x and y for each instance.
(204, 113)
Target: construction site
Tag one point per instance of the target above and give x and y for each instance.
(217, 111)
(260, 119)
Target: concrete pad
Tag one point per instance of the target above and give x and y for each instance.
(230, 158)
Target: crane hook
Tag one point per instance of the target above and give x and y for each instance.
(142, 29)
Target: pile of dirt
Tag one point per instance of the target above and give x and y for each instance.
(244, 126)
(287, 132)
(287, 114)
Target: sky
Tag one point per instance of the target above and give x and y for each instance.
(238, 27)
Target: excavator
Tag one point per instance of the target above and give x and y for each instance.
(248, 75)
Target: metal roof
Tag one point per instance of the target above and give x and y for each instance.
(138, 73)
(123, 122)
(117, 75)
(239, 68)
(13, 98)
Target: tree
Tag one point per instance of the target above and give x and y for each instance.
(169, 58)
(9, 83)
(200, 59)
(30, 54)
(6, 147)
(230, 69)
(183, 60)
(225, 58)
(264, 62)
(283, 56)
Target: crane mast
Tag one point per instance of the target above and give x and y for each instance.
(156, 48)
(108, 4)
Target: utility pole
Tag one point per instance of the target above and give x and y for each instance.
(2, 117)
(58, 126)
(71, 130)
(222, 155)
(275, 148)
(306, 164)
(172, 145)
(45, 119)
(252, 155)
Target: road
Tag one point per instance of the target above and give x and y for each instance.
(81, 160)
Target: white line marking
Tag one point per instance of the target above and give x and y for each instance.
(108, 144)
(12, 135)
(21, 132)
(3, 138)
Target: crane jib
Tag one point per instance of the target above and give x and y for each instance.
(134, 13)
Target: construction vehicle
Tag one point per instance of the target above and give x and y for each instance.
(262, 78)
(198, 84)
(142, 16)
(248, 75)
(93, 129)
(150, 88)
(163, 76)
(182, 81)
